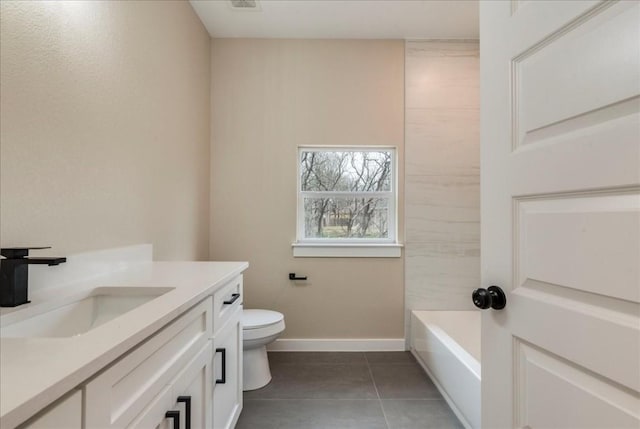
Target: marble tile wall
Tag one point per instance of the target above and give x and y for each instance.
(442, 174)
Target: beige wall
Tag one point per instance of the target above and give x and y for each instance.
(268, 97)
(442, 175)
(105, 126)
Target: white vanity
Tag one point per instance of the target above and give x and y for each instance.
(146, 345)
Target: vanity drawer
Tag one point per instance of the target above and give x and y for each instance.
(225, 301)
(118, 394)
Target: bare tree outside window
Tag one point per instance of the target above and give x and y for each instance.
(346, 194)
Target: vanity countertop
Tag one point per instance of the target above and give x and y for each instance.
(36, 371)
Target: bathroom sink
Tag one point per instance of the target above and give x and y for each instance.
(80, 314)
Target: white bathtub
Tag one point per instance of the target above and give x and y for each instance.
(447, 344)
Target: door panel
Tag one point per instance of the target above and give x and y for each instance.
(554, 393)
(564, 242)
(605, 341)
(565, 79)
(560, 190)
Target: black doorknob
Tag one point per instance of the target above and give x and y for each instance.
(491, 297)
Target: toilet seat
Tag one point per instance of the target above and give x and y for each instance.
(261, 324)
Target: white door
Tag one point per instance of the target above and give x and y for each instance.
(560, 181)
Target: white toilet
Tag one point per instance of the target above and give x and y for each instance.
(259, 328)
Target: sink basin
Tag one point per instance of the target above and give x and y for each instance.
(81, 314)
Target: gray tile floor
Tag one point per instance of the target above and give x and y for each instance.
(382, 390)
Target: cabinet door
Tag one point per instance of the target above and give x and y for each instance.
(192, 391)
(120, 393)
(65, 413)
(189, 394)
(154, 415)
(227, 373)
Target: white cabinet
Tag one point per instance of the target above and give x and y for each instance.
(143, 379)
(186, 399)
(227, 390)
(191, 367)
(192, 391)
(65, 413)
(197, 356)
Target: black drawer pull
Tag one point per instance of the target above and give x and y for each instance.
(223, 379)
(187, 410)
(175, 415)
(292, 276)
(234, 298)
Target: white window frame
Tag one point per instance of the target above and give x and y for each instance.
(348, 247)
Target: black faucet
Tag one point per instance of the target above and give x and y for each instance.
(14, 274)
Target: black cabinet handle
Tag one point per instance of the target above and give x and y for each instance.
(187, 410)
(175, 415)
(292, 276)
(234, 298)
(223, 380)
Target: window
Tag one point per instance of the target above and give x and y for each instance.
(346, 200)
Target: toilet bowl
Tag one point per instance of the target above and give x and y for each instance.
(259, 328)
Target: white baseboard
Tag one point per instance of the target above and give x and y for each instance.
(338, 345)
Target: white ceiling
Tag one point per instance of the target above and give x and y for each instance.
(342, 19)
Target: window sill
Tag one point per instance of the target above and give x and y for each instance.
(347, 250)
